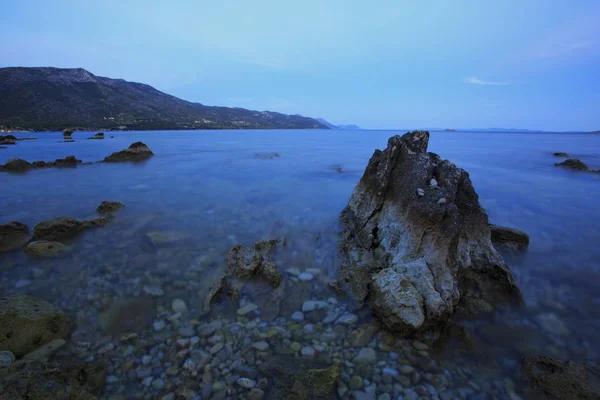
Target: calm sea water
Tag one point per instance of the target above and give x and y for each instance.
(210, 188)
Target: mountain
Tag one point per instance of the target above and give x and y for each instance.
(55, 98)
(332, 126)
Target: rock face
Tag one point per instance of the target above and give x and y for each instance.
(19, 165)
(418, 260)
(63, 228)
(509, 237)
(13, 235)
(8, 139)
(26, 323)
(138, 151)
(573, 164)
(97, 136)
(107, 207)
(563, 380)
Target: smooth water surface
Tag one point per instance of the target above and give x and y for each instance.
(210, 191)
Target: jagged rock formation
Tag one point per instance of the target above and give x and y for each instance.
(13, 235)
(138, 151)
(19, 165)
(511, 238)
(563, 380)
(416, 243)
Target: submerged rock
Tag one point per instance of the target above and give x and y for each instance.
(127, 315)
(64, 228)
(561, 154)
(574, 164)
(107, 207)
(8, 139)
(420, 260)
(45, 248)
(37, 380)
(27, 322)
(97, 136)
(563, 380)
(13, 236)
(509, 237)
(267, 156)
(138, 151)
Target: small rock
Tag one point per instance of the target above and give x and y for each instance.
(246, 383)
(308, 352)
(356, 382)
(248, 308)
(306, 276)
(260, 346)
(159, 325)
(153, 290)
(366, 355)
(297, 316)
(216, 348)
(293, 271)
(420, 345)
(433, 183)
(6, 359)
(158, 384)
(256, 394)
(442, 201)
(420, 192)
(178, 306)
(312, 305)
(187, 331)
(347, 319)
(406, 369)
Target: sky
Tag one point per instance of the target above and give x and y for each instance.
(383, 64)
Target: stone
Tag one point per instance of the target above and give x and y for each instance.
(509, 237)
(363, 335)
(97, 136)
(13, 235)
(260, 346)
(255, 263)
(356, 383)
(45, 350)
(216, 348)
(297, 316)
(67, 133)
(308, 352)
(293, 271)
(107, 207)
(6, 359)
(26, 323)
(563, 380)
(247, 309)
(420, 192)
(323, 381)
(178, 306)
(551, 323)
(44, 248)
(347, 319)
(366, 355)
(137, 151)
(306, 276)
(16, 165)
(442, 201)
(256, 394)
(418, 264)
(312, 305)
(63, 228)
(574, 164)
(8, 139)
(127, 315)
(246, 383)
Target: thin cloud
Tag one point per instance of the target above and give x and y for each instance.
(473, 80)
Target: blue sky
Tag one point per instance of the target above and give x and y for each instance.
(379, 64)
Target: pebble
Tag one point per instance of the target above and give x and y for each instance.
(420, 192)
(366, 355)
(348, 319)
(159, 325)
(178, 306)
(187, 331)
(433, 183)
(256, 394)
(420, 345)
(293, 271)
(390, 371)
(312, 305)
(146, 360)
(406, 369)
(297, 316)
(308, 352)
(158, 384)
(21, 283)
(246, 383)
(248, 308)
(260, 346)
(306, 276)
(216, 348)
(6, 359)
(442, 200)
(356, 382)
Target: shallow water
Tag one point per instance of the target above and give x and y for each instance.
(211, 190)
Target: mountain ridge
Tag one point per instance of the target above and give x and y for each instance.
(332, 126)
(49, 98)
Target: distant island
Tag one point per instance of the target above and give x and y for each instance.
(50, 99)
(349, 127)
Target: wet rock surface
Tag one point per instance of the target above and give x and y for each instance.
(13, 236)
(8, 139)
(97, 136)
(415, 259)
(574, 164)
(509, 237)
(19, 165)
(64, 228)
(555, 379)
(27, 322)
(108, 207)
(44, 248)
(138, 151)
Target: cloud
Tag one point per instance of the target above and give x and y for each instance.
(473, 80)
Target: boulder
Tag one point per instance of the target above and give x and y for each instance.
(97, 136)
(563, 380)
(67, 133)
(107, 207)
(561, 154)
(64, 228)
(574, 164)
(40, 380)
(138, 151)
(416, 259)
(509, 237)
(45, 248)
(26, 323)
(13, 236)
(69, 161)
(8, 139)
(15, 165)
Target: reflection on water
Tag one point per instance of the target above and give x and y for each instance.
(148, 271)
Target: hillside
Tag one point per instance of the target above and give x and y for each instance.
(54, 98)
(349, 127)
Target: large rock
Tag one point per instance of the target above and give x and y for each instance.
(416, 243)
(97, 136)
(17, 164)
(13, 235)
(574, 164)
(67, 133)
(8, 139)
(563, 380)
(138, 151)
(63, 228)
(27, 322)
(509, 237)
